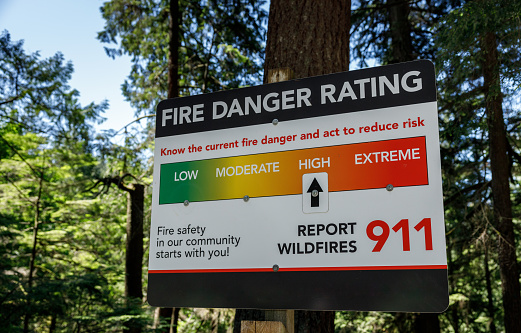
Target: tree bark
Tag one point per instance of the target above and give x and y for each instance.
(452, 311)
(173, 48)
(173, 92)
(246, 315)
(134, 250)
(427, 323)
(499, 168)
(310, 38)
(401, 51)
(400, 29)
(134, 246)
(52, 327)
(314, 321)
(27, 317)
(174, 320)
(490, 303)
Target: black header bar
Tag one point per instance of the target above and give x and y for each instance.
(360, 90)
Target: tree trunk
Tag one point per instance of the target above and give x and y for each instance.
(401, 51)
(400, 29)
(314, 321)
(52, 327)
(134, 246)
(173, 48)
(173, 92)
(310, 38)
(246, 315)
(427, 323)
(499, 169)
(174, 320)
(27, 317)
(490, 304)
(134, 250)
(453, 314)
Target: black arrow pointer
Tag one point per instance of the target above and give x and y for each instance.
(315, 190)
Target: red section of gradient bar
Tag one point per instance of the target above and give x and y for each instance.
(400, 162)
(298, 269)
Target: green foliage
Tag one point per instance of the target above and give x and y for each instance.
(371, 34)
(78, 272)
(35, 96)
(54, 213)
(46, 216)
(220, 45)
(51, 159)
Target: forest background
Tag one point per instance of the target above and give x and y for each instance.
(75, 202)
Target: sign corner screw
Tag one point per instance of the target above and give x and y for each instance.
(275, 268)
(275, 121)
(186, 203)
(389, 187)
(246, 198)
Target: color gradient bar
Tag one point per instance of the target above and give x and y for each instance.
(400, 162)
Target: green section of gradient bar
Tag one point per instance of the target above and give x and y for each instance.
(173, 189)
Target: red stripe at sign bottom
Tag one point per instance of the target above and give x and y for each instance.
(297, 269)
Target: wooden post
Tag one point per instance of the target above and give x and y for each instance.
(276, 321)
(262, 327)
(286, 317)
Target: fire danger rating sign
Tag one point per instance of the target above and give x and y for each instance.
(321, 193)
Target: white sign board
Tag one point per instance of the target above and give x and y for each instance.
(323, 192)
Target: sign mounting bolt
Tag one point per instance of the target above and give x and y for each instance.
(275, 268)
(389, 187)
(275, 121)
(186, 202)
(246, 198)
